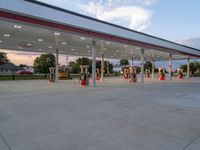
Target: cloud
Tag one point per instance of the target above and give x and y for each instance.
(134, 14)
(133, 17)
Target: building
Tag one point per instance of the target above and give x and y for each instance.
(9, 68)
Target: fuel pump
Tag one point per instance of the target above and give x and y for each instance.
(126, 73)
(180, 73)
(97, 73)
(84, 79)
(147, 73)
(161, 74)
(133, 77)
(52, 74)
(64, 73)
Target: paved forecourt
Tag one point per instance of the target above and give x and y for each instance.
(116, 115)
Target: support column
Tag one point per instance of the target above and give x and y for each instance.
(56, 66)
(188, 68)
(170, 67)
(102, 67)
(93, 63)
(107, 66)
(153, 69)
(142, 65)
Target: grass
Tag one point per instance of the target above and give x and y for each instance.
(197, 74)
(37, 76)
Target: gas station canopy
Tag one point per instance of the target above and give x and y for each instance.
(33, 26)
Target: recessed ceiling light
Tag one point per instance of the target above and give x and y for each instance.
(117, 51)
(63, 43)
(82, 38)
(107, 43)
(72, 49)
(0, 41)
(17, 26)
(50, 46)
(76, 53)
(6, 35)
(104, 48)
(40, 40)
(114, 54)
(89, 51)
(29, 44)
(87, 46)
(20, 47)
(125, 46)
(39, 49)
(57, 33)
(60, 51)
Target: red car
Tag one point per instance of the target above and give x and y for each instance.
(23, 72)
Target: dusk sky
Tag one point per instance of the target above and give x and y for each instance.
(175, 20)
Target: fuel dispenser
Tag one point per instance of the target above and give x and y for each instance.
(161, 74)
(180, 73)
(147, 73)
(84, 79)
(126, 73)
(52, 74)
(64, 73)
(133, 77)
(97, 73)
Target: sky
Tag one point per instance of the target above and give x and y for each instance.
(174, 20)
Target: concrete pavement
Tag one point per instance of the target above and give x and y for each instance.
(35, 115)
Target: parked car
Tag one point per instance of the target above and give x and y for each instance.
(23, 72)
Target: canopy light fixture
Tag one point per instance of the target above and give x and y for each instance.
(29, 44)
(82, 38)
(6, 35)
(57, 33)
(63, 43)
(40, 40)
(17, 26)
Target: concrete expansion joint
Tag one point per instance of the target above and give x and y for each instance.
(5, 141)
(191, 142)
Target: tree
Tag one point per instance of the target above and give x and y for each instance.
(124, 62)
(148, 65)
(83, 61)
(22, 65)
(194, 67)
(75, 66)
(3, 58)
(43, 63)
